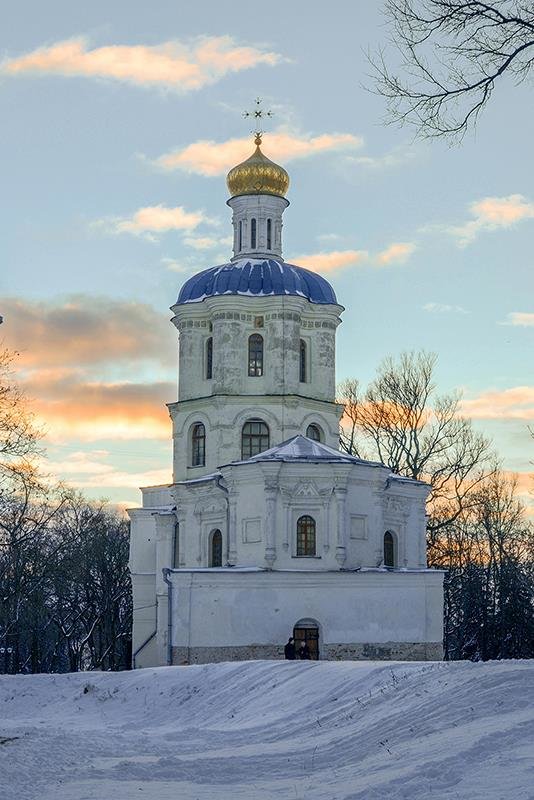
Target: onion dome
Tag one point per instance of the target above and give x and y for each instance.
(257, 277)
(257, 175)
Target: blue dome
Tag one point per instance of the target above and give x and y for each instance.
(256, 277)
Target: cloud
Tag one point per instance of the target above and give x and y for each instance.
(175, 65)
(155, 219)
(86, 330)
(443, 308)
(72, 408)
(393, 159)
(208, 242)
(91, 469)
(522, 319)
(332, 261)
(396, 253)
(514, 403)
(207, 157)
(492, 213)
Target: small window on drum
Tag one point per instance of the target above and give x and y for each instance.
(253, 234)
(302, 362)
(314, 432)
(198, 445)
(254, 438)
(255, 355)
(269, 234)
(240, 236)
(209, 358)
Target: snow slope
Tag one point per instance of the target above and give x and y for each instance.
(267, 729)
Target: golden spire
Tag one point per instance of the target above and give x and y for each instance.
(258, 174)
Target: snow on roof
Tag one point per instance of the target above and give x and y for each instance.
(257, 277)
(301, 449)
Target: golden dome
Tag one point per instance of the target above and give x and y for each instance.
(257, 175)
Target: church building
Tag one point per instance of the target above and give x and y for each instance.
(268, 530)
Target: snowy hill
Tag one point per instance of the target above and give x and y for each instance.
(265, 730)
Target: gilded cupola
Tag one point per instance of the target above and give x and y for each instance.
(258, 175)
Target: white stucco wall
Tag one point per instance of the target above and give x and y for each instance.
(220, 608)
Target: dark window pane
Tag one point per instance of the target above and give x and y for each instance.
(254, 438)
(269, 234)
(389, 550)
(209, 358)
(255, 355)
(313, 432)
(253, 233)
(302, 376)
(306, 536)
(198, 445)
(216, 549)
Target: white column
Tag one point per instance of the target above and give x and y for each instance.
(340, 493)
(232, 532)
(270, 523)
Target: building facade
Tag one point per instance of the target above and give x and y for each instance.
(268, 530)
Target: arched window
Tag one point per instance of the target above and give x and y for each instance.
(314, 432)
(306, 536)
(302, 361)
(209, 358)
(269, 234)
(389, 550)
(215, 554)
(255, 355)
(253, 233)
(254, 438)
(240, 236)
(198, 445)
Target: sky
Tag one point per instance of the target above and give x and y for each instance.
(119, 123)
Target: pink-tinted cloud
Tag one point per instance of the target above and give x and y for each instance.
(493, 213)
(84, 330)
(177, 65)
(70, 407)
(331, 261)
(94, 469)
(521, 319)
(396, 253)
(154, 220)
(207, 157)
(514, 403)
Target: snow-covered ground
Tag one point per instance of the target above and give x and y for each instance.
(269, 729)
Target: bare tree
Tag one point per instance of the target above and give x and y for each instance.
(451, 54)
(488, 552)
(402, 422)
(19, 436)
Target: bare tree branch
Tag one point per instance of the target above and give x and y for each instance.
(446, 57)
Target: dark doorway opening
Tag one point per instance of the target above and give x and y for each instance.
(307, 632)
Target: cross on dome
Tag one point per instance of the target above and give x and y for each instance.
(258, 114)
(258, 174)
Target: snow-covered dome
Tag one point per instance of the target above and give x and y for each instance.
(251, 277)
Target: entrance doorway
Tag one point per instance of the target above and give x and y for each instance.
(307, 631)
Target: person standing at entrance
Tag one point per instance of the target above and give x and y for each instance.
(289, 650)
(304, 651)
